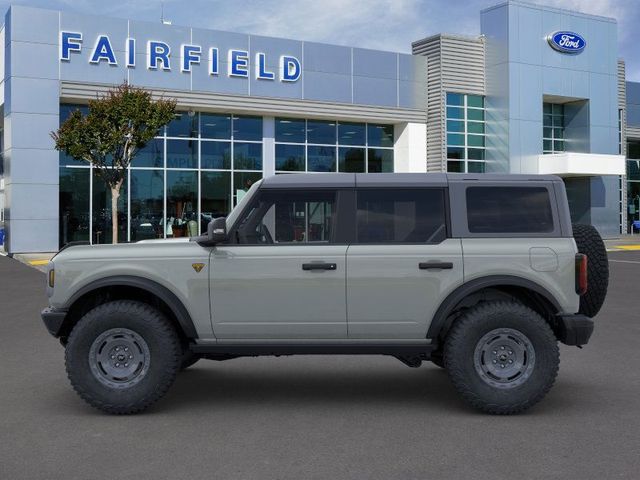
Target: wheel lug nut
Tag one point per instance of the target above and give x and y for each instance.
(510, 352)
(126, 349)
(502, 365)
(113, 357)
(126, 364)
(495, 361)
(117, 364)
(130, 356)
(510, 361)
(502, 348)
(495, 352)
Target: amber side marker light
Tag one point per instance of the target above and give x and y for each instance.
(52, 277)
(581, 274)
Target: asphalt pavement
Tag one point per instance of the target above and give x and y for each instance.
(320, 417)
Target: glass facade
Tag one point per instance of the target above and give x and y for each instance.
(194, 170)
(465, 130)
(633, 185)
(330, 146)
(553, 128)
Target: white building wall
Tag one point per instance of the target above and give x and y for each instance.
(410, 150)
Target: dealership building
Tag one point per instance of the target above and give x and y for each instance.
(540, 90)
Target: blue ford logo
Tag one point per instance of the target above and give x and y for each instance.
(567, 42)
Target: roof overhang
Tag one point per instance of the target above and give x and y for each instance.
(570, 164)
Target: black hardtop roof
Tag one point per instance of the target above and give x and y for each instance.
(346, 180)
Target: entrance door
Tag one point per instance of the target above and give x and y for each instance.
(402, 265)
(283, 276)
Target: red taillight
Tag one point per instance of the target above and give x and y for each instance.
(581, 274)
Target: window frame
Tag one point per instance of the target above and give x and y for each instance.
(445, 205)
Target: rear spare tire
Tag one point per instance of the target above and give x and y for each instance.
(590, 243)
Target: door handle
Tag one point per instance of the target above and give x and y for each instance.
(435, 265)
(319, 266)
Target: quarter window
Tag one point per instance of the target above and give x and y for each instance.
(401, 215)
(283, 217)
(509, 210)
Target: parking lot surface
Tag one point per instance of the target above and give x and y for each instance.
(320, 417)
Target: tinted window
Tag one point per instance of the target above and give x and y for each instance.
(289, 217)
(401, 215)
(509, 210)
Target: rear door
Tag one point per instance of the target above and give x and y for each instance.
(402, 263)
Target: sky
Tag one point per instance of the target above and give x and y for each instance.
(378, 24)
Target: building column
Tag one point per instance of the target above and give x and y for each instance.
(410, 147)
(268, 146)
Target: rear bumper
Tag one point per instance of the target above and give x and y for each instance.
(574, 329)
(53, 319)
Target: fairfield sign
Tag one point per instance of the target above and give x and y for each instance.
(160, 57)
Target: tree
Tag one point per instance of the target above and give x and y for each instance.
(117, 126)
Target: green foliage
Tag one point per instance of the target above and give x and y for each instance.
(117, 126)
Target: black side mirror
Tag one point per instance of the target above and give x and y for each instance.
(217, 230)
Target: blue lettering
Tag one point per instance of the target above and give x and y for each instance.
(131, 52)
(261, 68)
(213, 61)
(158, 52)
(69, 42)
(290, 70)
(103, 51)
(190, 55)
(238, 63)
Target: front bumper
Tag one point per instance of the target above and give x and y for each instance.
(574, 329)
(54, 320)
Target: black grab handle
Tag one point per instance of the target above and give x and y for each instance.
(435, 265)
(319, 266)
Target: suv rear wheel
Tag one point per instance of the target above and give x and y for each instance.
(122, 356)
(502, 357)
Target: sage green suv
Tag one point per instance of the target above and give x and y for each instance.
(480, 274)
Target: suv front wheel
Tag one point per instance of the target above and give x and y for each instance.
(502, 357)
(122, 356)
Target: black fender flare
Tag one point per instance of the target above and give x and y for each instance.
(154, 288)
(459, 294)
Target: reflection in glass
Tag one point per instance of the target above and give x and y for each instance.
(151, 155)
(215, 155)
(101, 215)
(215, 199)
(351, 160)
(242, 182)
(321, 159)
(182, 204)
(215, 126)
(351, 133)
(380, 160)
(319, 131)
(185, 124)
(247, 127)
(290, 130)
(74, 205)
(182, 153)
(247, 156)
(380, 135)
(290, 158)
(147, 192)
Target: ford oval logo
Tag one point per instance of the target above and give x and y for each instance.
(567, 42)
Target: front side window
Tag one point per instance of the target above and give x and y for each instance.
(401, 215)
(509, 210)
(289, 217)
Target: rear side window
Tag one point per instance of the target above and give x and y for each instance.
(390, 215)
(509, 210)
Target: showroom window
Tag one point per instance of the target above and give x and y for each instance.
(465, 130)
(195, 169)
(331, 146)
(553, 128)
(633, 185)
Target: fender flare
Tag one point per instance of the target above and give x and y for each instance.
(459, 294)
(154, 288)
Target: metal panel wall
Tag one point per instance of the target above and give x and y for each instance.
(454, 64)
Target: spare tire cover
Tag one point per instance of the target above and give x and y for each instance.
(590, 243)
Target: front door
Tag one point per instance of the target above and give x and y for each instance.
(402, 265)
(282, 276)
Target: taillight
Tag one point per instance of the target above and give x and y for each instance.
(581, 273)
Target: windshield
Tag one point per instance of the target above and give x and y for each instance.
(233, 215)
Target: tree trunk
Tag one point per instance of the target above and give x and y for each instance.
(115, 195)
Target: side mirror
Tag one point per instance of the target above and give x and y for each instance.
(217, 230)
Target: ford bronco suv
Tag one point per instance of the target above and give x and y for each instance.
(480, 274)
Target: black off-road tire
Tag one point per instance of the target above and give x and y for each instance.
(468, 334)
(590, 243)
(151, 339)
(188, 358)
